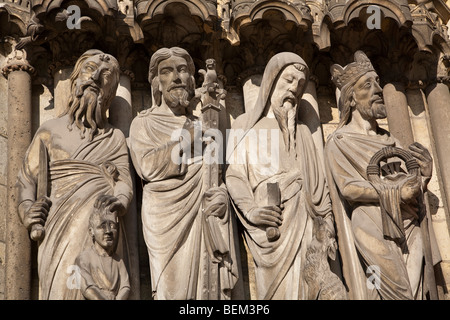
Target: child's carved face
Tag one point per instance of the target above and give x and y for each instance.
(104, 231)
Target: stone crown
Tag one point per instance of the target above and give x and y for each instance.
(352, 72)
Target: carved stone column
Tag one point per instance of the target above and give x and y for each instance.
(18, 259)
(251, 81)
(309, 114)
(419, 122)
(61, 87)
(397, 113)
(120, 112)
(120, 116)
(438, 97)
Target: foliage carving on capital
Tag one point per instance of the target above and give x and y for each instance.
(17, 60)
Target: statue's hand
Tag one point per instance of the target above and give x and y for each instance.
(37, 213)
(114, 204)
(216, 201)
(268, 216)
(410, 189)
(423, 157)
(191, 135)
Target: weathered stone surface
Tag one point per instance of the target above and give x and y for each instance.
(388, 214)
(409, 49)
(73, 159)
(185, 205)
(273, 193)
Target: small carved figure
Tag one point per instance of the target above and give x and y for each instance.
(103, 273)
(210, 86)
(323, 284)
(209, 75)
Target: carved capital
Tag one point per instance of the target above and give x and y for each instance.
(60, 64)
(128, 73)
(248, 73)
(17, 60)
(67, 47)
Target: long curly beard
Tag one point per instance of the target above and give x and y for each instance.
(286, 116)
(85, 110)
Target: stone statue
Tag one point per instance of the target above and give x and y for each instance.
(72, 160)
(103, 273)
(187, 225)
(382, 216)
(276, 181)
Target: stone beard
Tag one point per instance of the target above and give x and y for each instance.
(80, 169)
(302, 185)
(86, 104)
(89, 101)
(178, 226)
(286, 116)
(178, 94)
(385, 222)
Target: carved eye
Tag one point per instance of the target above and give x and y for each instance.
(165, 71)
(289, 80)
(182, 69)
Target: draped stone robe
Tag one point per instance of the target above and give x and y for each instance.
(175, 227)
(304, 195)
(107, 273)
(347, 155)
(97, 167)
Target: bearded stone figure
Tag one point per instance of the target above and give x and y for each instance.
(188, 227)
(277, 183)
(73, 160)
(382, 222)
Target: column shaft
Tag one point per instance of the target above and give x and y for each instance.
(397, 113)
(18, 258)
(438, 97)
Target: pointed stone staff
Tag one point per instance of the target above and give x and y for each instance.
(210, 96)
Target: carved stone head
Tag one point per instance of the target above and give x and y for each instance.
(210, 64)
(360, 89)
(285, 98)
(94, 82)
(171, 75)
(104, 228)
